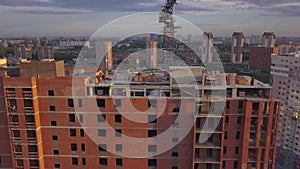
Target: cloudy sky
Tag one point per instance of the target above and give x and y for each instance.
(84, 17)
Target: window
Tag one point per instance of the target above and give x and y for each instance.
(57, 166)
(55, 137)
(118, 147)
(101, 133)
(72, 118)
(238, 135)
(32, 148)
(102, 147)
(52, 108)
(28, 103)
(240, 104)
(236, 151)
(81, 133)
(74, 161)
(225, 150)
(70, 103)
(239, 120)
(31, 134)
(101, 103)
(81, 118)
(79, 102)
(226, 135)
(16, 133)
(152, 162)
(50, 92)
(175, 139)
(53, 123)
(152, 148)
(118, 103)
(174, 154)
(73, 132)
(118, 133)
(101, 118)
(255, 106)
(83, 160)
(103, 161)
(83, 147)
(34, 163)
(73, 147)
(152, 103)
(19, 163)
(118, 118)
(226, 119)
(227, 105)
(174, 167)
(152, 133)
(224, 164)
(119, 162)
(55, 152)
(152, 119)
(18, 148)
(14, 118)
(29, 118)
(235, 164)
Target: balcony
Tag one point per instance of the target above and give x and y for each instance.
(27, 95)
(29, 110)
(206, 166)
(16, 140)
(10, 93)
(212, 156)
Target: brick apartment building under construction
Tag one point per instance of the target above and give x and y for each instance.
(41, 119)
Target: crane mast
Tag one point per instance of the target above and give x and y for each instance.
(166, 17)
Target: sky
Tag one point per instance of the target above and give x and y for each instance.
(84, 17)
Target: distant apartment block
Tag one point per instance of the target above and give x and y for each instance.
(208, 48)
(237, 47)
(285, 81)
(151, 54)
(42, 52)
(23, 52)
(268, 39)
(260, 57)
(104, 54)
(255, 39)
(73, 42)
(42, 120)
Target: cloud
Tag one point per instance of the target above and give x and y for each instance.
(292, 11)
(40, 10)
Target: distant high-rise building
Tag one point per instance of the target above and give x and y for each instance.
(42, 52)
(237, 47)
(260, 57)
(104, 54)
(285, 81)
(255, 39)
(207, 47)
(286, 48)
(23, 52)
(268, 39)
(153, 37)
(152, 55)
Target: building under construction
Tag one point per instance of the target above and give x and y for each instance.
(42, 124)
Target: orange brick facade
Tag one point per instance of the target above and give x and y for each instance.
(40, 128)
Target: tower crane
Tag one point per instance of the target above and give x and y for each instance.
(289, 153)
(166, 17)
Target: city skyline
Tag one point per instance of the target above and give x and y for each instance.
(77, 18)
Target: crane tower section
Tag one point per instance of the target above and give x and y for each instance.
(166, 17)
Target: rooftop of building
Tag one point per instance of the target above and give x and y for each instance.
(294, 54)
